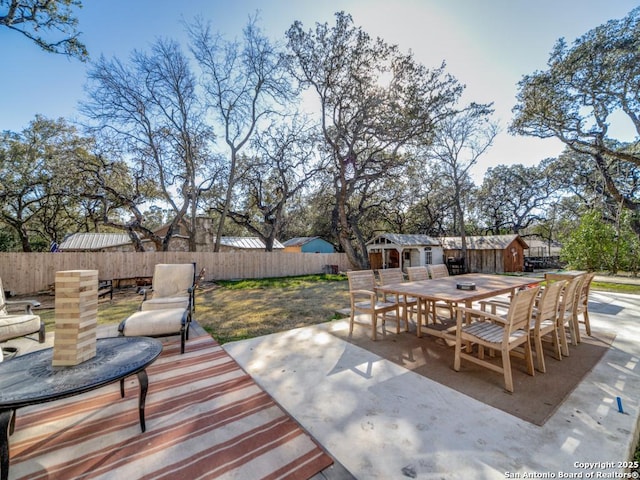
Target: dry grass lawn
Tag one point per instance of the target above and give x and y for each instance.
(234, 314)
(238, 310)
(244, 309)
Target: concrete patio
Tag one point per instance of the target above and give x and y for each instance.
(380, 420)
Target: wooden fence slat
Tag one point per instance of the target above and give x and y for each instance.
(24, 273)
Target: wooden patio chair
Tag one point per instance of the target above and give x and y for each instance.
(15, 325)
(364, 299)
(566, 313)
(544, 321)
(417, 273)
(408, 304)
(422, 273)
(582, 307)
(438, 270)
(497, 333)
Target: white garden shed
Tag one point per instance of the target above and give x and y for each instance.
(395, 250)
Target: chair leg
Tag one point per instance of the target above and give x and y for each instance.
(458, 351)
(576, 328)
(528, 358)
(506, 369)
(374, 326)
(587, 324)
(405, 315)
(351, 323)
(539, 353)
(555, 338)
(572, 332)
(564, 345)
(41, 333)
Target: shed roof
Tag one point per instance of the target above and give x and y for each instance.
(298, 241)
(94, 241)
(254, 243)
(405, 239)
(483, 242)
(554, 246)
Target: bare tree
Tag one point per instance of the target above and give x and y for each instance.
(151, 107)
(244, 82)
(37, 19)
(286, 162)
(374, 102)
(459, 142)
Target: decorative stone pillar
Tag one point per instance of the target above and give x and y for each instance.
(76, 310)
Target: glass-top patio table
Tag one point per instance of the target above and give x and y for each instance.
(31, 379)
(446, 290)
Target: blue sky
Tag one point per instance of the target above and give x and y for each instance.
(488, 45)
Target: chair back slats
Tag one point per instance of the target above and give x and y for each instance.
(390, 275)
(520, 309)
(584, 290)
(417, 273)
(439, 270)
(549, 300)
(570, 297)
(361, 280)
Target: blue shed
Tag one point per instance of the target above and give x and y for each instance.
(308, 245)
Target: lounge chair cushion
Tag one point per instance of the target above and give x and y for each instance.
(14, 326)
(162, 303)
(154, 322)
(172, 280)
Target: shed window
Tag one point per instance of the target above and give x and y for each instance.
(428, 257)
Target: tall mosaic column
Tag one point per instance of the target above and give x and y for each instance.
(76, 310)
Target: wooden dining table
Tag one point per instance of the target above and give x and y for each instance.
(563, 275)
(446, 290)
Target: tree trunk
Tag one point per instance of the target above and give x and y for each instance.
(343, 230)
(227, 201)
(24, 239)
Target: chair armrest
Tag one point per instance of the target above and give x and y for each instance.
(144, 292)
(185, 317)
(363, 292)
(28, 304)
(368, 293)
(494, 303)
(479, 313)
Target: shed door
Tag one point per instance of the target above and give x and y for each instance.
(375, 259)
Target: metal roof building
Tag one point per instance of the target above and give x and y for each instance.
(396, 250)
(488, 253)
(246, 243)
(93, 242)
(308, 245)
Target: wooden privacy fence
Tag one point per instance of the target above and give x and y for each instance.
(24, 273)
